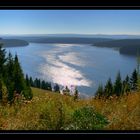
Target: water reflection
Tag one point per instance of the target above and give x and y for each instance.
(58, 71)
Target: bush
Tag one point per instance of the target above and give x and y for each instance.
(4, 95)
(86, 118)
(27, 93)
(52, 116)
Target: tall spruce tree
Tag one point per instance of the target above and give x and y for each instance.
(56, 88)
(27, 80)
(126, 87)
(0, 90)
(108, 88)
(49, 86)
(31, 82)
(76, 94)
(2, 60)
(134, 80)
(118, 85)
(100, 91)
(19, 82)
(138, 70)
(43, 84)
(9, 77)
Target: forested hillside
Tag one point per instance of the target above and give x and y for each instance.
(125, 46)
(13, 42)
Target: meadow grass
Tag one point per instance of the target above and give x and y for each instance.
(52, 111)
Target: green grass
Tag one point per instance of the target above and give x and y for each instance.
(53, 111)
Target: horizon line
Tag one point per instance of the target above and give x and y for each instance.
(72, 34)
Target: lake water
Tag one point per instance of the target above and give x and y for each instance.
(85, 66)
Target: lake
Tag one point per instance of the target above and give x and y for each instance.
(82, 65)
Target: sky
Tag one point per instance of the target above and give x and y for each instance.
(70, 22)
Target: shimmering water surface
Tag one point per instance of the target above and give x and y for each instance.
(85, 66)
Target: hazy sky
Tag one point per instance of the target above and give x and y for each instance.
(70, 21)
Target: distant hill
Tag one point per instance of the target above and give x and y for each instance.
(113, 36)
(13, 42)
(70, 40)
(118, 43)
(130, 50)
(125, 46)
(67, 40)
(57, 39)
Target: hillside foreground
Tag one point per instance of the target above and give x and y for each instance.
(53, 111)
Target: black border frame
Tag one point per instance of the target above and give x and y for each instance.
(58, 5)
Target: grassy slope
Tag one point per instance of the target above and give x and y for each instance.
(123, 113)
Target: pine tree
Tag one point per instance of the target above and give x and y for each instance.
(138, 69)
(31, 82)
(126, 87)
(108, 88)
(36, 82)
(56, 88)
(2, 60)
(118, 85)
(49, 86)
(19, 83)
(76, 93)
(27, 80)
(134, 80)
(66, 91)
(100, 91)
(43, 84)
(0, 90)
(9, 77)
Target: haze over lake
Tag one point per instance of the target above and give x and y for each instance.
(85, 66)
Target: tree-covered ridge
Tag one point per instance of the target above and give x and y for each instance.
(125, 46)
(13, 42)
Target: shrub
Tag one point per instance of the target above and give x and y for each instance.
(86, 118)
(52, 116)
(27, 93)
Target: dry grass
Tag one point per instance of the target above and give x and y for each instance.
(123, 113)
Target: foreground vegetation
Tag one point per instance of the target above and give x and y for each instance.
(47, 111)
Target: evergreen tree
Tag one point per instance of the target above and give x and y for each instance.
(126, 87)
(4, 94)
(31, 82)
(12, 78)
(134, 80)
(108, 88)
(100, 91)
(49, 86)
(2, 60)
(27, 80)
(56, 88)
(38, 83)
(19, 82)
(66, 91)
(76, 94)
(138, 70)
(138, 62)
(0, 90)
(9, 77)
(118, 85)
(43, 84)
